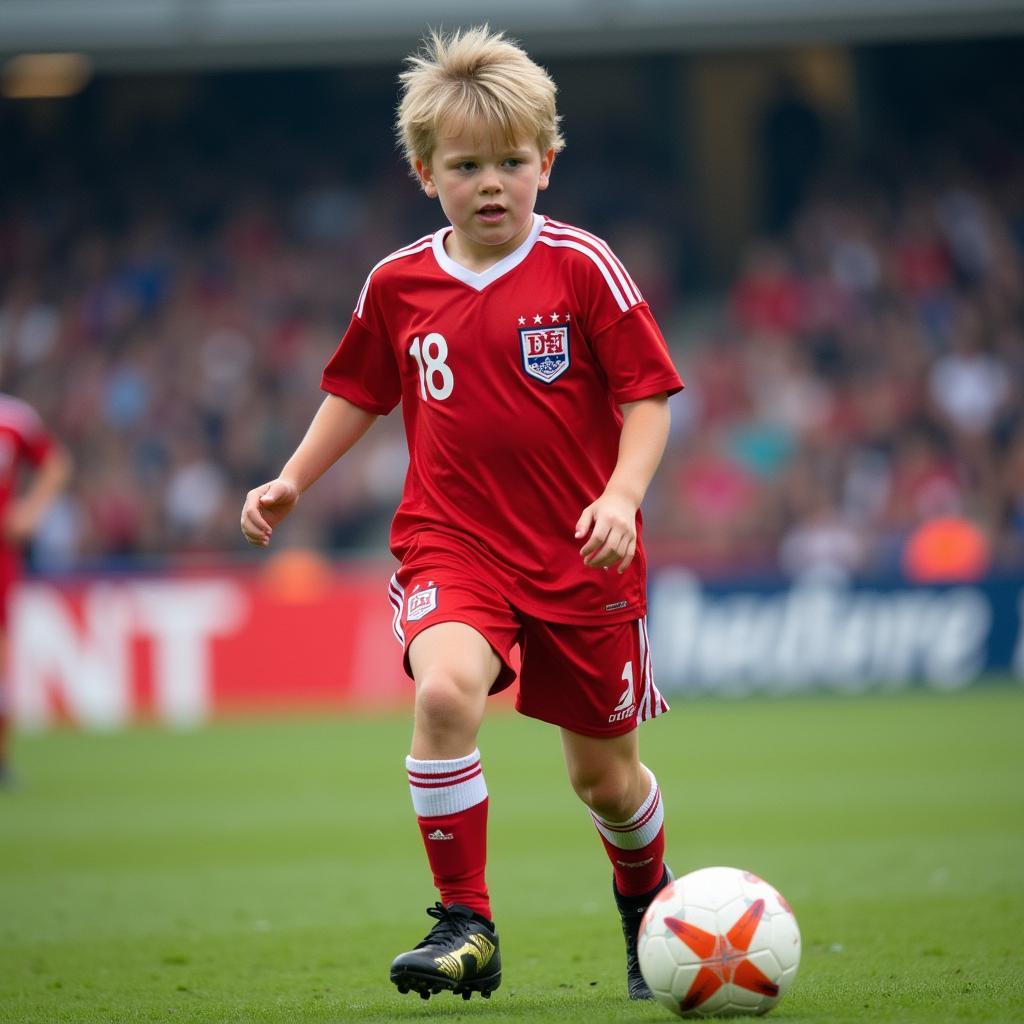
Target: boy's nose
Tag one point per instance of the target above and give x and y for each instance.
(490, 183)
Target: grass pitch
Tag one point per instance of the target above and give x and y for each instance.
(269, 871)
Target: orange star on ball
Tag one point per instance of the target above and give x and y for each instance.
(724, 957)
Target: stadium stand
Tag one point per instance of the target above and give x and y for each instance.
(169, 310)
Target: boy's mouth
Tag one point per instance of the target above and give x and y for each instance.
(492, 212)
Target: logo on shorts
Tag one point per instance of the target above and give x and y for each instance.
(545, 351)
(626, 705)
(423, 602)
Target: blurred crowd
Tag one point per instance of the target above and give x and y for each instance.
(860, 377)
(858, 405)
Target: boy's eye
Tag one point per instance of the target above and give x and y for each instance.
(465, 165)
(513, 161)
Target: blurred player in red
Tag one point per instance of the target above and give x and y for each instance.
(26, 446)
(533, 382)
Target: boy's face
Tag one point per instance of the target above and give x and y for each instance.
(487, 190)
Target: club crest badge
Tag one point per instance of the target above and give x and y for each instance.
(545, 351)
(423, 602)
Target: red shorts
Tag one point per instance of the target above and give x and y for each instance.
(593, 680)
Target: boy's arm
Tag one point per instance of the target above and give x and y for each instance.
(336, 427)
(48, 480)
(611, 519)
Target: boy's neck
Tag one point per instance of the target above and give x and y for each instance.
(481, 258)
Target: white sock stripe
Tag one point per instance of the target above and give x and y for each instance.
(442, 779)
(640, 835)
(450, 767)
(439, 782)
(650, 810)
(435, 802)
(641, 828)
(445, 787)
(640, 813)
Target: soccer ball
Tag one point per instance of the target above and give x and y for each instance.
(719, 942)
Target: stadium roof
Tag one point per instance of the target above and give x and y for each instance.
(167, 34)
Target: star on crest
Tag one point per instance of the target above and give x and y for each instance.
(538, 319)
(554, 318)
(724, 958)
(522, 321)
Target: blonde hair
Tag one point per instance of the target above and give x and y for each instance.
(472, 76)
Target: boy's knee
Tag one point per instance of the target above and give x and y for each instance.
(443, 697)
(607, 793)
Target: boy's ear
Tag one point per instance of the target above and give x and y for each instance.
(426, 176)
(546, 162)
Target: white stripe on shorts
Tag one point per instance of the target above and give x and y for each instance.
(396, 595)
(652, 703)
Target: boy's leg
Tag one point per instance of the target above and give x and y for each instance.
(454, 667)
(597, 684)
(625, 804)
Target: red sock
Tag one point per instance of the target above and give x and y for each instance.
(450, 800)
(636, 846)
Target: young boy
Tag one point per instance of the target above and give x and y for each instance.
(26, 446)
(534, 382)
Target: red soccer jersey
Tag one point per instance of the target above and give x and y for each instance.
(510, 382)
(23, 439)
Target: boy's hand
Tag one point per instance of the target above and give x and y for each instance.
(611, 523)
(265, 506)
(20, 522)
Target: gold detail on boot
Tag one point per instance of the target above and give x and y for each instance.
(481, 949)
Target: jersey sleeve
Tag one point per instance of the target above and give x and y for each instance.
(363, 369)
(623, 333)
(635, 358)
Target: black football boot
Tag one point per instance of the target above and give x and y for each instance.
(459, 954)
(632, 910)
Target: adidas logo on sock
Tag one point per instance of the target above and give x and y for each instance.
(629, 863)
(438, 834)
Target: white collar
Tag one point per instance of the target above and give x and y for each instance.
(481, 280)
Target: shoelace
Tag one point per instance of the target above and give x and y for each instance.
(449, 925)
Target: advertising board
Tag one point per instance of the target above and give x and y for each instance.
(182, 648)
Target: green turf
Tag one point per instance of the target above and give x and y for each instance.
(269, 871)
